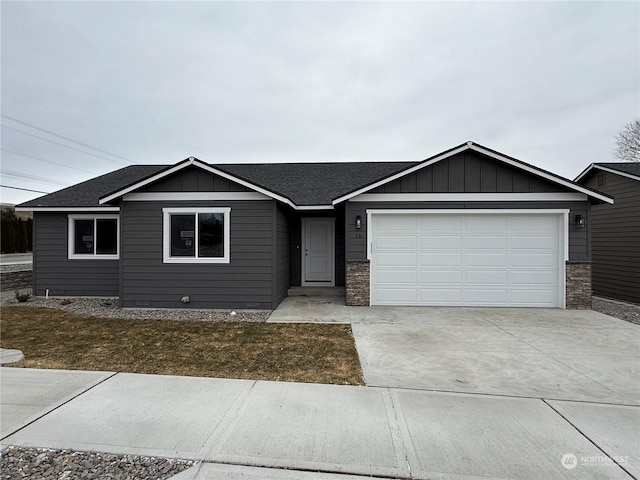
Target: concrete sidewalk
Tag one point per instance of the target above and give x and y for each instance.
(236, 428)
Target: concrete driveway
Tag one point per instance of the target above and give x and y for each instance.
(539, 353)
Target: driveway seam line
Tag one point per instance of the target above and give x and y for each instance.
(229, 420)
(555, 359)
(66, 400)
(589, 439)
(506, 395)
(399, 429)
(305, 470)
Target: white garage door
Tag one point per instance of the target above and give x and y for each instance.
(467, 259)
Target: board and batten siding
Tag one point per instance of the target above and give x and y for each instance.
(615, 236)
(245, 282)
(193, 179)
(469, 172)
(356, 249)
(53, 270)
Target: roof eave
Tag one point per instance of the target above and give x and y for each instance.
(191, 161)
(595, 166)
(490, 153)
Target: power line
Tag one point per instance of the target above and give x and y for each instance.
(48, 161)
(13, 119)
(63, 145)
(31, 178)
(25, 189)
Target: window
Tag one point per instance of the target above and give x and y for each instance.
(94, 236)
(196, 235)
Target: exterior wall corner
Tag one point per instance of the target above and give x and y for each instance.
(357, 286)
(578, 285)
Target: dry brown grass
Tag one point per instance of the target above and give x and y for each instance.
(262, 351)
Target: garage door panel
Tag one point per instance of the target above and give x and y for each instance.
(441, 277)
(440, 259)
(392, 296)
(441, 296)
(494, 242)
(533, 223)
(444, 223)
(396, 276)
(486, 259)
(393, 259)
(438, 241)
(467, 259)
(540, 297)
(397, 242)
(484, 277)
(545, 242)
(533, 277)
(396, 223)
(485, 222)
(533, 259)
(487, 296)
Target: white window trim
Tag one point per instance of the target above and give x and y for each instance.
(166, 235)
(71, 234)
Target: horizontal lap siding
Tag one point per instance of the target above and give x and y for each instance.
(357, 247)
(616, 238)
(245, 282)
(53, 270)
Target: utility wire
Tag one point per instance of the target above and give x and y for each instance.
(63, 145)
(48, 161)
(13, 119)
(31, 178)
(25, 189)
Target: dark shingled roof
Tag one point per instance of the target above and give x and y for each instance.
(302, 183)
(87, 194)
(313, 183)
(632, 168)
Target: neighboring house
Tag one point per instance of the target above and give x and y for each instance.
(469, 226)
(615, 230)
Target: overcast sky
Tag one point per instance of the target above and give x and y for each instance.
(156, 82)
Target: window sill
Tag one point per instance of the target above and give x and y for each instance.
(94, 257)
(195, 260)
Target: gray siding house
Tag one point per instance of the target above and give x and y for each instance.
(467, 227)
(615, 230)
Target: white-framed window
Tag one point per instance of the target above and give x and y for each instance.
(94, 236)
(196, 235)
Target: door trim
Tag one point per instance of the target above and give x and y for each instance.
(332, 252)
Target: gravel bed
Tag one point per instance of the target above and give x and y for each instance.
(44, 464)
(622, 310)
(107, 307)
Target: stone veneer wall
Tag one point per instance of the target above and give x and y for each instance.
(357, 283)
(578, 285)
(13, 280)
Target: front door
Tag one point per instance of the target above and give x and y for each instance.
(318, 251)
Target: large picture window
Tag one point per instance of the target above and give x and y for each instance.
(193, 235)
(94, 236)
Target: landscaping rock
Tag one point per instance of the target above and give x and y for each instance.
(22, 462)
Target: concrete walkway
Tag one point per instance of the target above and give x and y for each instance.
(278, 430)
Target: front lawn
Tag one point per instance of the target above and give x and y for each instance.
(52, 338)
